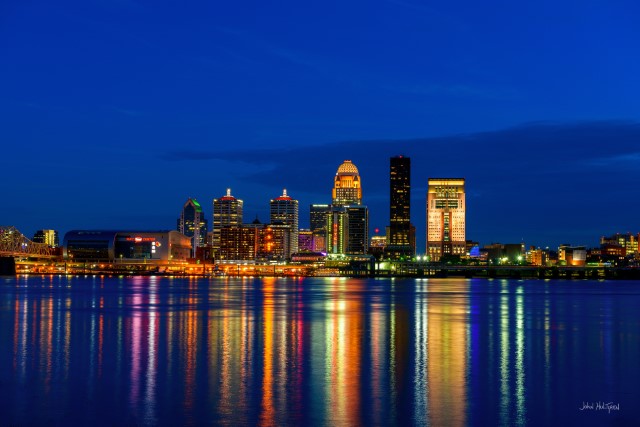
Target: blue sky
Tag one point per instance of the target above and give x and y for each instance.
(113, 113)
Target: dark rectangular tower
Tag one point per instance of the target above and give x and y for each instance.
(400, 243)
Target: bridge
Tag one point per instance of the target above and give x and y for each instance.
(15, 245)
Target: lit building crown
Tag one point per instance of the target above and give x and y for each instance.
(347, 186)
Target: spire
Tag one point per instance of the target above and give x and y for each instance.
(284, 192)
(228, 192)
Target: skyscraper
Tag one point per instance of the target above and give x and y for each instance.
(347, 188)
(192, 223)
(49, 237)
(445, 217)
(284, 210)
(348, 221)
(399, 237)
(227, 212)
(318, 224)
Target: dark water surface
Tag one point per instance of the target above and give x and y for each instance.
(315, 351)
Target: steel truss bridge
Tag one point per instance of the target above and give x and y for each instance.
(15, 244)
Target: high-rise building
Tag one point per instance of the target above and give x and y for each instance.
(348, 221)
(400, 243)
(337, 230)
(237, 243)
(318, 224)
(358, 230)
(284, 210)
(445, 217)
(192, 223)
(227, 212)
(48, 237)
(305, 241)
(347, 187)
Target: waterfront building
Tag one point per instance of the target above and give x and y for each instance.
(376, 246)
(237, 243)
(348, 220)
(358, 230)
(159, 247)
(347, 187)
(284, 210)
(305, 241)
(628, 241)
(572, 255)
(337, 230)
(227, 212)
(505, 253)
(445, 217)
(192, 223)
(401, 233)
(47, 237)
(318, 217)
(537, 256)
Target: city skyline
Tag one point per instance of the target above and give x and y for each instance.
(135, 107)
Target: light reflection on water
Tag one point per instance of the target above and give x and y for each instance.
(270, 352)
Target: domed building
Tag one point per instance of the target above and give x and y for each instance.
(347, 186)
(347, 221)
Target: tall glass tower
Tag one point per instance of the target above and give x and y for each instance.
(284, 210)
(445, 217)
(400, 239)
(192, 223)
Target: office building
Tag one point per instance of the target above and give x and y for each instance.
(47, 237)
(401, 233)
(227, 212)
(237, 243)
(192, 223)
(348, 220)
(572, 255)
(318, 217)
(305, 241)
(284, 210)
(445, 218)
(347, 187)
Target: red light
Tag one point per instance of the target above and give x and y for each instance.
(377, 230)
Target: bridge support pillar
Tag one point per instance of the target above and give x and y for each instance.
(7, 266)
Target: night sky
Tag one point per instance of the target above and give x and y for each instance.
(113, 113)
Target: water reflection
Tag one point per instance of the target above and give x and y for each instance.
(149, 351)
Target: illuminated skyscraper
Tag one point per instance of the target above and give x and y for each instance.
(227, 212)
(445, 217)
(347, 188)
(400, 239)
(193, 224)
(49, 237)
(318, 223)
(284, 210)
(348, 221)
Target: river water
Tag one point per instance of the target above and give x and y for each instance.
(318, 351)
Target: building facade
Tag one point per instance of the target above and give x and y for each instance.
(227, 212)
(446, 213)
(348, 220)
(318, 214)
(284, 210)
(192, 223)
(158, 247)
(400, 239)
(47, 237)
(347, 187)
